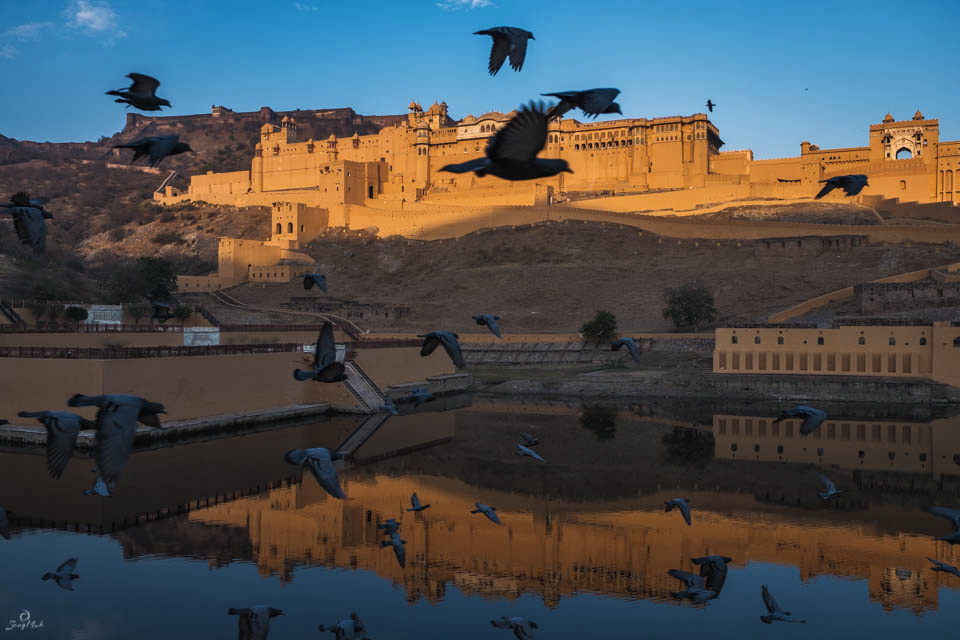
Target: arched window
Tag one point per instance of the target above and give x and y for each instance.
(903, 153)
(820, 340)
(289, 227)
(956, 343)
(903, 185)
(893, 341)
(279, 228)
(733, 340)
(756, 339)
(862, 341)
(779, 339)
(923, 341)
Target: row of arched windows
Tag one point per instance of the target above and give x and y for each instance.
(603, 145)
(892, 341)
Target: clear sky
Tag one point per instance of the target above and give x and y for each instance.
(779, 71)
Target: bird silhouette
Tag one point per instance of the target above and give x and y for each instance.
(415, 502)
(23, 199)
(507, 41)
(349, 629)
(943, 566)
(592, 102)
(953, 515)
(325, 367)
(511, 154)
(487, 510)
(529, 440)
(310, 279)
(320, 463)
(851, 185)
(812, 418)
(521, 627)
(696, 590)
(630, 344)
(710, 105)
(490, 321)
(714, 571)
(62, 431)
(831, 491)
(156, 147)
(678, 503)
(142, 94)
(389, 526)
(254, 622)
(449, 341)
(530, 453)
(398, 549)
(28, 221)
(64, 575)
(776, 613)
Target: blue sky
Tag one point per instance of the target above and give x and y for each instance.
(754, 59)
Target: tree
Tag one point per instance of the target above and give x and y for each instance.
(54, 312)
(76, 315)
(152, 278)
(38, 309)
(602, 328)
(138, 312)
(182, 313)
(690, 305)
(686, 446)
(600, 420)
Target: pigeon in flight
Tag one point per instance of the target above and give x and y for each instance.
(310, 279)
(851, 185)
(713, 569)
(529, 440)
(389, 526)
(62, 431)
(116, 425)
(398, 549)
(349, 629)
(526, 451)
(326, 368)
(696, 589)
(812, 418)
(416, 506)
(64, 575)
(23, 199)
(679, 503)
(490, 321)
(522, 628)
(487, 510)
(831, 491)
(28, 221)
(954, 516)
(592, 102)
(142, 94)
(943, 566)
(448, 340)
(254, 622)
(5, 523)
(157, 147)
(320, 463)
(710, 105)
(630, 344)
(507, 41)
(511, 154)
(776, 613)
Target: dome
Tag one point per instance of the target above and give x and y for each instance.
(918, 115)
(888, 118)
(356, 136)
(414, 106)
(332, 138)
(422, 125)
(285, 119)
(434, 108)
(469, 118)
(267, 128)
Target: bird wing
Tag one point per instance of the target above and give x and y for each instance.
(595, 101)
(466, 167)
(854, 184)
(502, 623)
(689, 579)
(142, 84)
(69, 566)
(811, 423)
(308, 282)
(685, 510)
(951, 514)
(116, 431)
(415, 501)
(492, 514)
(326, 346)
(493, 326)
(326, 475)
(768, 600)
(303, 376)
(452, 346)
(634, 352)
(519, 142)
(430, 343)
(61, 441)
(160, 147)
(517, 48)
(831, 488)
(827, 188)
(498, 54)
(528, 439)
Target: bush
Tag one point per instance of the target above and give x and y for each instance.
(76, 314)
(690, 305)
(601, 421)
(689, 446)
(138, 312)
(167, 237)
(182, 313)
(117, 234)
(602, 328)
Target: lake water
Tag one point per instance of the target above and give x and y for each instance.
(583, 552)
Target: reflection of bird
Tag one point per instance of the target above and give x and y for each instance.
(710, 105)
(157, 147)
(507, 41)
(851, 185)
(812, 418)
(529, 440)
(679, 503)
(592, 102)
(325, 368)
(5, 523)
(320, 463)
(512, 152)
(831, 491)
(389, 526)
(415, 502)
(696, 590)
(953, 515)
(28, 222)
(142, 94)
(714, 570)
(310, 279)
(418, 396)
(522, 628)
(943, 566)
(490, 321)
(450, 344)
(254, 622)
(349, 629)
(630, 344)
(398, 549)
(389, 406)
(776, 613)
(487, 510)
(62, 431)
(530, 453)
(64, 575)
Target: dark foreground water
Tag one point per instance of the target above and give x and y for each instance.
(584, 548)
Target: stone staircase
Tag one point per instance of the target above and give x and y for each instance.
(539, 353)
(672, 360)
(367, 393)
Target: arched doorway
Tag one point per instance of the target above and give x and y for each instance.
(904, 154)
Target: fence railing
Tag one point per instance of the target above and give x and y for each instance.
(124, 353)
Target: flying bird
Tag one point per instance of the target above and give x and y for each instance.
(679, 503)
(157, 147)
(310, 279)
(5, 523)
(511, 153)
(953, 515)
(62, 431)
(142, 94)
(943, 566)
(320, 463)
(529, 440)
(490, 321)
(507, 41)
(812, 418)
(450, 344)
(389, 526)
(831, 491)
(526, 451)
(522, 628)
(487, 510)
(710, 105)
(23, 199)
(349, 629)
(326, 368)
(696, 590)
(28, 221)
(851, 185)
(64, 575)
(398, 549)
(415, 502)
(592, 102)
(389, 406)
(254, 622)
(116, 424)
(776, 613)
(714, 571)
(630, 344)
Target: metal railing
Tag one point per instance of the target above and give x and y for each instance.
(124, 353)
